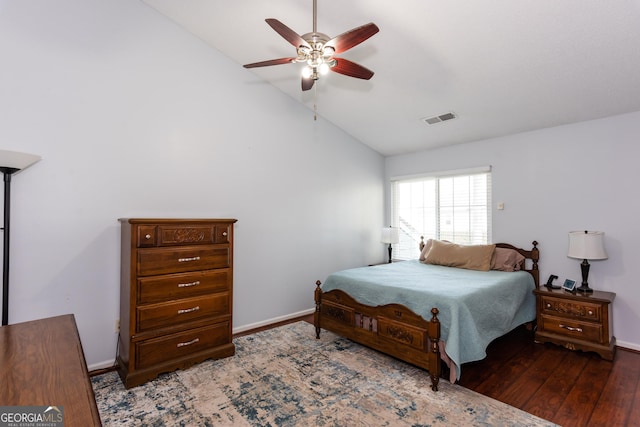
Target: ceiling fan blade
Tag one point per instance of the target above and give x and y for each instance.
(307, 83)
(351, 69)
(287, 33)
(351, 38)
(270, 62)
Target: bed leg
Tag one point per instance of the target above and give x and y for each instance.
(316, 316)
(434, 338)
(435, 380)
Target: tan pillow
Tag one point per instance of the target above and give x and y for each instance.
(426, 249)
(506, 260)
(471, 257)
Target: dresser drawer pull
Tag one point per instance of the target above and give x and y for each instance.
(189, 310)
(188, 285)
(183, 344)
(195, 258)
(548, 305)
(224, 234)
(569, 328)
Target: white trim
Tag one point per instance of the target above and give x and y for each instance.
(469, 171)
(101, 365)
(272, 321)
(627, 345)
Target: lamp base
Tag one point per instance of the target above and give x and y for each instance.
(584, 267)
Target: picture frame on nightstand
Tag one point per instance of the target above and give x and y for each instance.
(569, 285)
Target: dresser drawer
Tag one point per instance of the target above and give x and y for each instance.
(169, 287)
(172, 235)
(154, 316)
(569, 308)
(592, 332)
(146, 236)
(176, 235)
(181, 259)
(169, 347)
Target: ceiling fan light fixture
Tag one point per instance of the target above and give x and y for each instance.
(323, 68)
(328, 51)
(307, 72)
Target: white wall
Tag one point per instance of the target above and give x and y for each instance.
(552, 181)
(134, 117)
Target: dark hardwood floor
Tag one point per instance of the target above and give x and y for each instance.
(566, 387)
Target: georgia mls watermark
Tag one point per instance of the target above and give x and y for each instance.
(31, 416)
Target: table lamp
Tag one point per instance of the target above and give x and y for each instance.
(390, 236)
(586, 245)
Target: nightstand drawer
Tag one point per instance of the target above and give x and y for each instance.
(573, 309)
(572, 328)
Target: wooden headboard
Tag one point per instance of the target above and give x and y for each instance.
(533, 254)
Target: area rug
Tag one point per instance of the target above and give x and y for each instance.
(285, 377)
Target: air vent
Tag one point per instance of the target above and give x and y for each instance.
(438, 119)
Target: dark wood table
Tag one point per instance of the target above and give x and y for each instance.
(42, 364)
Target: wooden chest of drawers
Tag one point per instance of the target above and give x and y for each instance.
(576, 321)
(176, 295)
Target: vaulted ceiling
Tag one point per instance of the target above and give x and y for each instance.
(500, 66)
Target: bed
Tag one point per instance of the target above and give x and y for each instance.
(430, 310)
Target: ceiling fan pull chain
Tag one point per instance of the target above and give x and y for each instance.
(315, 103)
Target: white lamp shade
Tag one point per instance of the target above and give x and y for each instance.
(390, 235)
(587, 245)
(16, 160)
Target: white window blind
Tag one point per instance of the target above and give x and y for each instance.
(453, 206)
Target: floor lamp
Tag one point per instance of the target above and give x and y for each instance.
(11, 162)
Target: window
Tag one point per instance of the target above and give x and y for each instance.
(453, 206)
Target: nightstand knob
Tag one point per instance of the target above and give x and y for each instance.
(590, 312)
(224, 234)
(548, 305)
(148, 236)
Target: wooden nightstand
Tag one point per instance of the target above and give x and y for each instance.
(576, 321)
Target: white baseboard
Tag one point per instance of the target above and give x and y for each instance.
(101, 365)
(272, 321)
(627, 345)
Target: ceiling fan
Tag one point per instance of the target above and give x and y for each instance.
(317, 50)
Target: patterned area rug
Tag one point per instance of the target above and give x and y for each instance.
(285, 377)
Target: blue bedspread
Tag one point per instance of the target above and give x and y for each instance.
(475, 306)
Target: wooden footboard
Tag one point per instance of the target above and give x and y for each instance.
(392, 329)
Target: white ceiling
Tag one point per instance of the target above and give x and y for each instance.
(502, 66)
